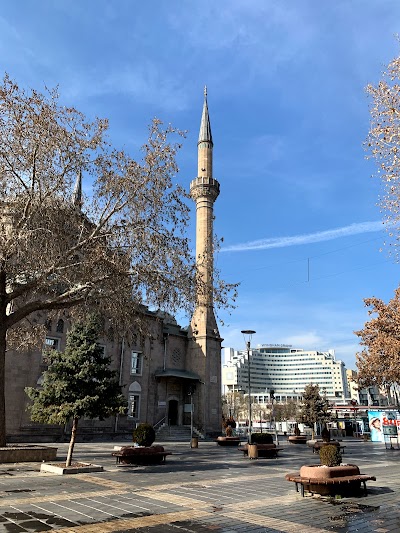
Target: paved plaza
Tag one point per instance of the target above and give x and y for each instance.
(209, 489)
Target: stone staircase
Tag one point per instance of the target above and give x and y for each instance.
(167, 433)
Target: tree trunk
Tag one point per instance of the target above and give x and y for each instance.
(72, 441)
(3, 332)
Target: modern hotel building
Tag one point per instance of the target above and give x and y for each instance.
(284, 370)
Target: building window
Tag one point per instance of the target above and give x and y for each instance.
(60, 326)
(134, 406)
(51, 344)
(136, 363)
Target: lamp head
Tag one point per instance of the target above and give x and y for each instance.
(247, 334)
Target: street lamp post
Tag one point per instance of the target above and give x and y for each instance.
(247, 334)
(272, 396)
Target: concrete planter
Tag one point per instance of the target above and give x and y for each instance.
(321, 473)
(228, 441)
(141, 455)
(60, 469)
(263, 450)
(297, 439)
(21, 453)
(320, 444)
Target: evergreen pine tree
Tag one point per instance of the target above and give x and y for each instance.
(78, 382)
(315, 408)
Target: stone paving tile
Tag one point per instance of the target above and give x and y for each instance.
(208, 490)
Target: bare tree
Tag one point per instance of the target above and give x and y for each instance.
(383, 142)
(233, 404)
(379, 361)
(123, 247)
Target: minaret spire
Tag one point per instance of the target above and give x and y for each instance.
(205, 127)
(77, 194)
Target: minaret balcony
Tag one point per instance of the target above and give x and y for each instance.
(205, 181)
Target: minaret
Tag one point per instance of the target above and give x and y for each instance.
(204, 190)
(205, 348)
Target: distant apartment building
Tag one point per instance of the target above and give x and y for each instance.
(371, 395)
(284, 370)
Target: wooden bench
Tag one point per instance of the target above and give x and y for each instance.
(130, 455)
(264, 450)
(346, 481)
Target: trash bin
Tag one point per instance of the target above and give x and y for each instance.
(252, 451)
(194, 443)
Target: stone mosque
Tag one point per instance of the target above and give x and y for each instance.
(172, 377)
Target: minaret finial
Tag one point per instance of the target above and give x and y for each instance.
(205, 91)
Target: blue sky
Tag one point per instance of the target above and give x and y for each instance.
(289, 114)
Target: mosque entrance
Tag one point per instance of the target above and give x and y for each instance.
(173, 412)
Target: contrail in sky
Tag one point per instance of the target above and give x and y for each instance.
(309, 238)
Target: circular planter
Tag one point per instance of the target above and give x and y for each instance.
(319, 444)
(297, 439)
(263, 450)
(228, 441)
(321, 472)
(142, 455)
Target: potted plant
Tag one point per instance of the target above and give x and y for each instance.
(144, 435)
(325, 434)
(330, 467)
(261, 445)
(229, 439)
(297, 438)
(326, 439)
(142, 452)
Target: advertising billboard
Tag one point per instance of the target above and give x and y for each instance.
(383, 423)
(375, 426)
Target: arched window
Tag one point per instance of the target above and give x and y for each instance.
(134, 400)
(60, 326)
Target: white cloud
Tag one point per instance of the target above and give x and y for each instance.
(146, 83)
(308, 238)
(309, 340)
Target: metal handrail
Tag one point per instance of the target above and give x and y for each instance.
(159, 423)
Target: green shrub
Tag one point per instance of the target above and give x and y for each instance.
(325, 434)
(231, 422)
(330, 455)
(144, 435)
(261, 438)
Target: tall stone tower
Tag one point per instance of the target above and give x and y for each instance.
(205, 341)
